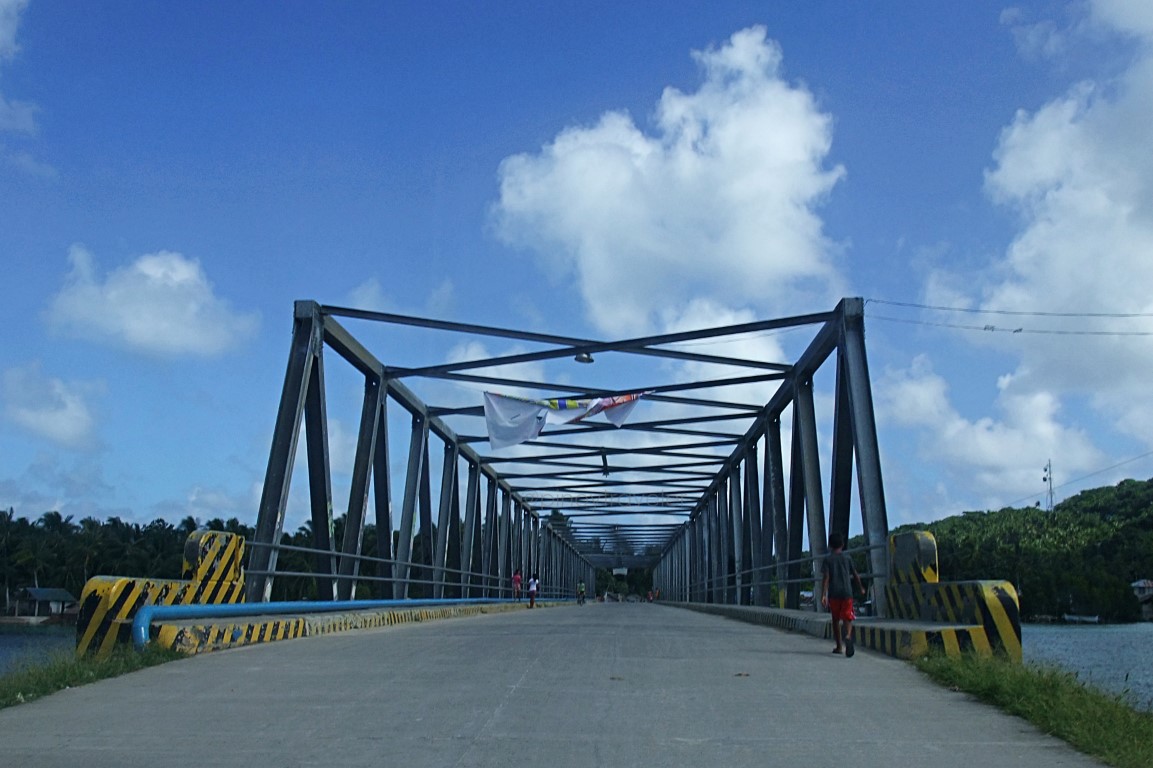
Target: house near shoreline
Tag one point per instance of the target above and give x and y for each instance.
(44, 601)
(1143, 588)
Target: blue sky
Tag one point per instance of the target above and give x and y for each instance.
(174, 176)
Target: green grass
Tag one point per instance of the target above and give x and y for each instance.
(1099, 724)
(64, 670)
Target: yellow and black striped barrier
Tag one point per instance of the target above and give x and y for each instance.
(217, 634)
(915, 594)
(213, 573)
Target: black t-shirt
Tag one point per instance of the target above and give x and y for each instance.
(839, 567)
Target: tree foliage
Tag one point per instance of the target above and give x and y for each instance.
(54, 551)
(1080, 558)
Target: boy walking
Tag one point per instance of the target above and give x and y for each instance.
(837, 592)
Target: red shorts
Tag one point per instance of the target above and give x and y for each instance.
(842, 608)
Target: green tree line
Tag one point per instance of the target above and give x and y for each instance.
(1079, 558)
(55, 551)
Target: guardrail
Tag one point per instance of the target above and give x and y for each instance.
(142, 622)
(752, 579)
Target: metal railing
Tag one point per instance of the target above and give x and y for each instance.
(454, 582)
(749, 580)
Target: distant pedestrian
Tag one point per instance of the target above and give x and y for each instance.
(533, 586)
(516, 584)
(581, 592)
(837, 593)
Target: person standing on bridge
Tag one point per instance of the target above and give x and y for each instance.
(837, 592)
(516, 578)
(533, 586)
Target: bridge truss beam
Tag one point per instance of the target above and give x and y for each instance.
(745, 540)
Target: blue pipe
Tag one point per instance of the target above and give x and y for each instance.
(142, 623)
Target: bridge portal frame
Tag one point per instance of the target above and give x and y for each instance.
(744, 529)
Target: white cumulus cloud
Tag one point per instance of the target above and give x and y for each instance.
(49, 407)
(995, 455)
(719, 202)
(160, 304)
(1078, 173)
(15, 116)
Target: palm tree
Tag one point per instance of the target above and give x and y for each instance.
(7, 526)
(37, 554)
(88, 550)
(56, 524)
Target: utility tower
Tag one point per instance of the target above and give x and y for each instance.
(1048, 480)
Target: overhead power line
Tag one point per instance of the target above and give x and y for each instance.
(991, 328)
(973, 310)
(987, 328)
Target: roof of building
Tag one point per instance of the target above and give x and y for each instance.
(46, 594)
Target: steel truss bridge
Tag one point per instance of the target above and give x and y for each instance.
(694, 485)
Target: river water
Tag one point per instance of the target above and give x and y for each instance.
(1117, 658)
(21, 647)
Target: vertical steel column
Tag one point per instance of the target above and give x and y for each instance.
(683, 585)
(725, 538)
(548, 565)
(737, 539)
(689, 534)
(560, 569)
(453, 555)
(537, 536)
(545, 557)
(358, 492)
(491, 555)
(319, 481)
(715, 551)
(701, 562)
(503, 570)
(811, 462)
(566, 581)
(382, 488)
(519, 549)
(307, 341)
(775, 514)
(872, 490)
(530, 523)
(841, 472)
(557, 577)
(418, 440)
(425, 534)
(470, 556)
(448, 489)
(556, 572)
(753, 548)
(796, 516)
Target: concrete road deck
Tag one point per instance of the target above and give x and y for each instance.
(599, 685)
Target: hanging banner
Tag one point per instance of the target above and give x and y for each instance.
(513, 420)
